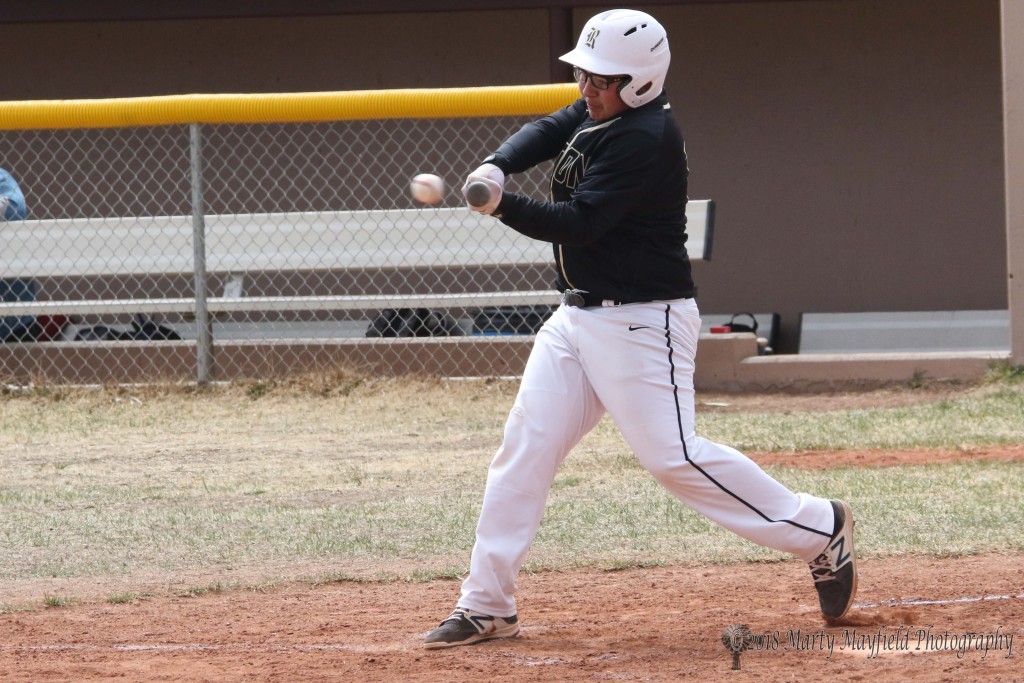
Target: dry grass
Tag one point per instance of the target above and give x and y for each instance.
(134, 489)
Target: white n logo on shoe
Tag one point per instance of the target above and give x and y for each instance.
(837, 549)
(482, 622)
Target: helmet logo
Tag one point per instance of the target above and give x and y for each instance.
(592, 37)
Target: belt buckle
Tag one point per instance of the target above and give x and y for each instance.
(574, 297)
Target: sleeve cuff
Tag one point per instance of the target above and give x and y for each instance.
(497, 161)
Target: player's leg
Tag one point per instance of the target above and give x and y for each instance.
(554, 409)
(648, 391)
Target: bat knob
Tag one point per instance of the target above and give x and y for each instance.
(478, 193)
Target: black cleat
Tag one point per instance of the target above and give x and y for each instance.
(464, 627)
(835, 570)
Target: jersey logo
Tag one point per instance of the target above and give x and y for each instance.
(570, 168)
(634, 328)
(592, 37)
(571, 165)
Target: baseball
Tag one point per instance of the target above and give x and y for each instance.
(427, 188)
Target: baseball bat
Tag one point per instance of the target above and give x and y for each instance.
(478, 193)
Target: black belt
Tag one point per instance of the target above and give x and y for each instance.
(581, 299)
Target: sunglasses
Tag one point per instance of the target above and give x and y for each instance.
(599, 82)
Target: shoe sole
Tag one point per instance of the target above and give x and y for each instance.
(508, 632)
(853, 559)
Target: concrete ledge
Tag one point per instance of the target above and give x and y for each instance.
(827, 372)
(729, 362)
(719, 357)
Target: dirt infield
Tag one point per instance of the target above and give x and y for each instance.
(661, 624)
(917, 619)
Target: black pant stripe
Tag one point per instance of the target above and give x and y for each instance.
(686, 453)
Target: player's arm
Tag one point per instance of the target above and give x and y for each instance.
(612, 185)
(532, 144)
(539, 140)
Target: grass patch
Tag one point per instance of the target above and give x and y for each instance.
(382, 480)
(991, 417)
(57, 601)
(11, 608)
(209, 589)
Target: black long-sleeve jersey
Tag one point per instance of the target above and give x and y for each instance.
(617, 215)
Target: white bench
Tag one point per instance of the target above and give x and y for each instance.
(901, 332)
(259, 243)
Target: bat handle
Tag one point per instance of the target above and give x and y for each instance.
(478, 193)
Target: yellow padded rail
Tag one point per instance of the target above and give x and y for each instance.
(356, 105)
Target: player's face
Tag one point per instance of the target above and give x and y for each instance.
(602, 102)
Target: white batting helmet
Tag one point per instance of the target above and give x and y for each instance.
(625, 41)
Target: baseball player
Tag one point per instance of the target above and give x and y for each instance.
(625, 337)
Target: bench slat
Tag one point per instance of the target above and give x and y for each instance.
(148, 245)
(241, 243)
(281, 303)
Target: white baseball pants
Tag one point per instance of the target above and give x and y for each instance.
(636, 362)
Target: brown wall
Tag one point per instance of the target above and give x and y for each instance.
(297, 54)
(854, 147)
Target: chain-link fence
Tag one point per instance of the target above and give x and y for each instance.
(221, 251)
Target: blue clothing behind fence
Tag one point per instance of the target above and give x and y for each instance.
(15, 210)
(14, 328)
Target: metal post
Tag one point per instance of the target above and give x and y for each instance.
(1013, 140)
(204, 333)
